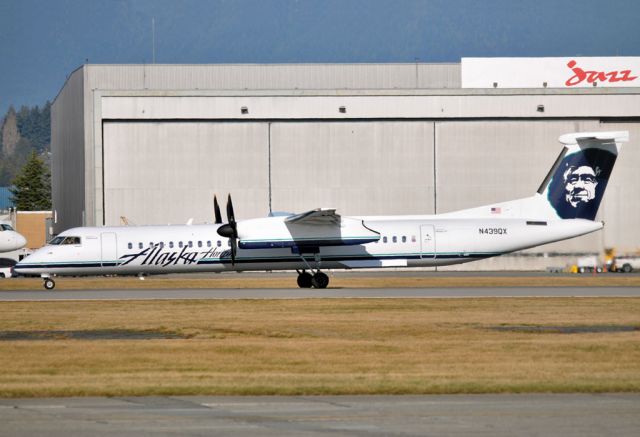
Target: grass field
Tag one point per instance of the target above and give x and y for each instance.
(323, 346)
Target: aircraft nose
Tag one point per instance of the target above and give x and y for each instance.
(20, 241)
(28, 264)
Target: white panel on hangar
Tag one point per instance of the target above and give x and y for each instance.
(167, 172)
(360, 168)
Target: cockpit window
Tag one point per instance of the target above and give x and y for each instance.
(71, 240)
(56, 241)
(4, 227)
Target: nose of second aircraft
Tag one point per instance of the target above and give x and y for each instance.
(20, 241)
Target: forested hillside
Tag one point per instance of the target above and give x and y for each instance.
(22, 132)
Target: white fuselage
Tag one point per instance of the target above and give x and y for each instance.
(400, 241)
(10, 240)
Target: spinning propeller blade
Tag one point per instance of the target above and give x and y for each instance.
(216, 210)
(230, 230)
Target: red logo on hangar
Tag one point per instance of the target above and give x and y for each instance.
(580, 75)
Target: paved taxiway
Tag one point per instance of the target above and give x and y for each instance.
(296, 293)
(486, 415)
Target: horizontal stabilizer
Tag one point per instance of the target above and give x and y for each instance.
(579, 137)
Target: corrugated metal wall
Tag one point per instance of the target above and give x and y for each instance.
(67, 154)
(159, 173)
(168, 172)
(360, 168)
(5, 199)
(621, 205)
(273, 77)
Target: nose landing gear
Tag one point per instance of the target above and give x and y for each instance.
(49, 283)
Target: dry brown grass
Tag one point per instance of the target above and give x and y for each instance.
(321, 346)
(373, 281)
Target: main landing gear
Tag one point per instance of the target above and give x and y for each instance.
(317, 280)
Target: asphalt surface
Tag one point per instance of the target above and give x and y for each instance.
(437, 415)
(296, 293)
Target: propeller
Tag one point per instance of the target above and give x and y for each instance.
(216, 210)
(230, 230)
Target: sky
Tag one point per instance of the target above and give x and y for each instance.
(43, 41)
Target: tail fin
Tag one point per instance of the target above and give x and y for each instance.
(576, 183)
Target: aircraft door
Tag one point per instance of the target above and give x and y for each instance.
(427, 241)
(108, 248)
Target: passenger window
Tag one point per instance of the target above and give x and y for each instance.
(130, 245)
(404, 239)
(171, 244)
(229, 243)
(150, 243)
(190, 243)
(199, 243)
(139, 245)
(179, 243)
(384, 239)
(208, 243)
(219, 243)
(395, 239)
(161, 244)
(413, 238)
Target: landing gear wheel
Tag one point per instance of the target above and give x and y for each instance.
(305, 280)
(320, 280)
(49, 284)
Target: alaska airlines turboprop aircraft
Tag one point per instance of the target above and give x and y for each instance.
(565, 206)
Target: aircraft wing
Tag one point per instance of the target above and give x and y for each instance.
(317, 217)
(315, 228)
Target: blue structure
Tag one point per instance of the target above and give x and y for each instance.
(5, 199)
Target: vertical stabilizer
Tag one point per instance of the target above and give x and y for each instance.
(576, 183)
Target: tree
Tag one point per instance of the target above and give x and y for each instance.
(10, 132)
(32, 186)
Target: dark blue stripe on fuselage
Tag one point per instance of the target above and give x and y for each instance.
(303, 243)
(267, 260)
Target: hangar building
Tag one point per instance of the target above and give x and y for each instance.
(153, 143)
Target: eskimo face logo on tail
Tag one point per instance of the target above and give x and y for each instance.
(578, 183)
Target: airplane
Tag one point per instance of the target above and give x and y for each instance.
(564, 207)
(10, 240)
